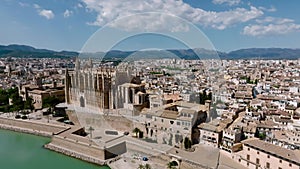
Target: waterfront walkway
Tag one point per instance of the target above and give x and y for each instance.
(31, 126)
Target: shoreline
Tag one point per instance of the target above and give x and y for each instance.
(7, 124)
(74, 154)
(74, 147)
(79, 150)
(64, 145)
(81, 156)
(31, 127)
(57, 143)
(25, 130)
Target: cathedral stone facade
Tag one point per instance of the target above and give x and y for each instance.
(97, 88)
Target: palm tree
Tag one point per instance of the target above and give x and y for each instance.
(141, 166)
(147, 166)
(172, 165)
(136, 131)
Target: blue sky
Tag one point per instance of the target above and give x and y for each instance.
(228, 24)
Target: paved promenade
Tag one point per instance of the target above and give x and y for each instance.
(31, 126)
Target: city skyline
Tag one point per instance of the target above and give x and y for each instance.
(150, 84)
(65, 25)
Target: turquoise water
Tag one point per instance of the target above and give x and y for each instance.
(24, 151)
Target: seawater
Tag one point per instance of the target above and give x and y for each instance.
(25, 151)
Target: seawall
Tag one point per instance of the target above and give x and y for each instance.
(31, 127)
(80, 150)
(68, 146)
(74, 154)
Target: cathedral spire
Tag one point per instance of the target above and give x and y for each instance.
(77, 64)
(90, 63)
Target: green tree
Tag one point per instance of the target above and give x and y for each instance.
(5, 108)
(3, 97)
(17, 101)
(172, 165)
(141, 166)
(248, 79)
(12, 91)
(136, 131)
(262, 135)
(187, 143)
(209, 97)
(29, 104)
(204, 97)
(147, 166)
(50, 102)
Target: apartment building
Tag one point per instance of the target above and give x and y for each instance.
(259, 154)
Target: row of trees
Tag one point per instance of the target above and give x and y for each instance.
(5, 95)
(18, 104)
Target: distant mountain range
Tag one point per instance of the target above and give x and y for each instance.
(31, 52)
(251, 53)
(265, 53)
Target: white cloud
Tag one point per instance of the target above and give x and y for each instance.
(222, 20)
(67, 13)
(272, 26)
(79, 5)
(36, 6)
(150, 22)
(24, 4)
(271, 9)
(274, 20)
(110, 10)
(48, 14)
(228, 2)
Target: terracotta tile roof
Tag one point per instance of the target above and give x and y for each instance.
(282, 153)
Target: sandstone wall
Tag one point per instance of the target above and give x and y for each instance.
(78, 147)
(31, 127)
